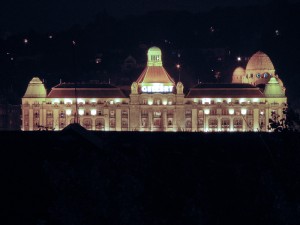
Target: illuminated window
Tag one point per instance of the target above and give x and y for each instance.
(68, 112)
(200, 113)
(212, 123)
(93, 112)
(213, 112)
(188, 124)
(99, 123)
(87, 123)
(111, 113)
(200, 122)
(112, 123)
(206, 111)
(225, 111)
(81, 112)
(157, 114)
(237, 123)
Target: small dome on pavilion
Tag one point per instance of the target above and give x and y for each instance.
(238, 74)
(273, 89)
(35, 89)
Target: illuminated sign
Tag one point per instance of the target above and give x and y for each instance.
(157, 88)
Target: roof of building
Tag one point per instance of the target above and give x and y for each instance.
(155, 74)
(260, 61)
(87, 90)
(208, 90)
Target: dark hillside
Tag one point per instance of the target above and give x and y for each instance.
(76, 177)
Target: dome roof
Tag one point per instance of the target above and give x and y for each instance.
(260, 61)
(35, 89)
(273, 89)
(239, 71)
(154, 49)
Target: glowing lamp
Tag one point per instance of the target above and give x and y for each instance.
(206, 100)
(68, 101)
(81, 112)
(231, 111)
(150, 102)
(55, 101)
(68, 112)
(80, 101)
(93, 112)
(206, 111)
(244, 111)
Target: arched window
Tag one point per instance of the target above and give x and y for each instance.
(87, 123)
(100, 123)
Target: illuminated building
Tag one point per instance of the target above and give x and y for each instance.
(156, 103)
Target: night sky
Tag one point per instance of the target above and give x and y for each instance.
(45, 15)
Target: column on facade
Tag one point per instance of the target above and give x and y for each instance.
(118, 119)
(165, 122)
(43, 114)
(231, 123)
(150, 119)
(55, 118)
(256, 119)
(30, 122)
(106, 118)
(194, 119)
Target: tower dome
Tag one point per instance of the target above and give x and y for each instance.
(35, 89)
(154, 56)
(273, 89)
(259, 69)
(238, 74)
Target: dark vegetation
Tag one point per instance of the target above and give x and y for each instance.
(77, 177)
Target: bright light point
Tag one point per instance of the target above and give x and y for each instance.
(11, 58)
(231, 111)
(93, 112)
(55, 101)
(117, 100)
(93, 101)
(81, 112)
(50, 36)
(164, 102)
(68, 101)
(206, 100)
(242, 100)
(244, 111)
(68, 112)
(178, 66)
(206, 111)
(239, 59)
(150, 102)
(111, 102)
(26, 41)
(255, 100)
(73, 42)
(229, 100)
(80, 101)
(261, 112)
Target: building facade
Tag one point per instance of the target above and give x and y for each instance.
(155, 102)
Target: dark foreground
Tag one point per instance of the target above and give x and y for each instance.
(73, 177)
